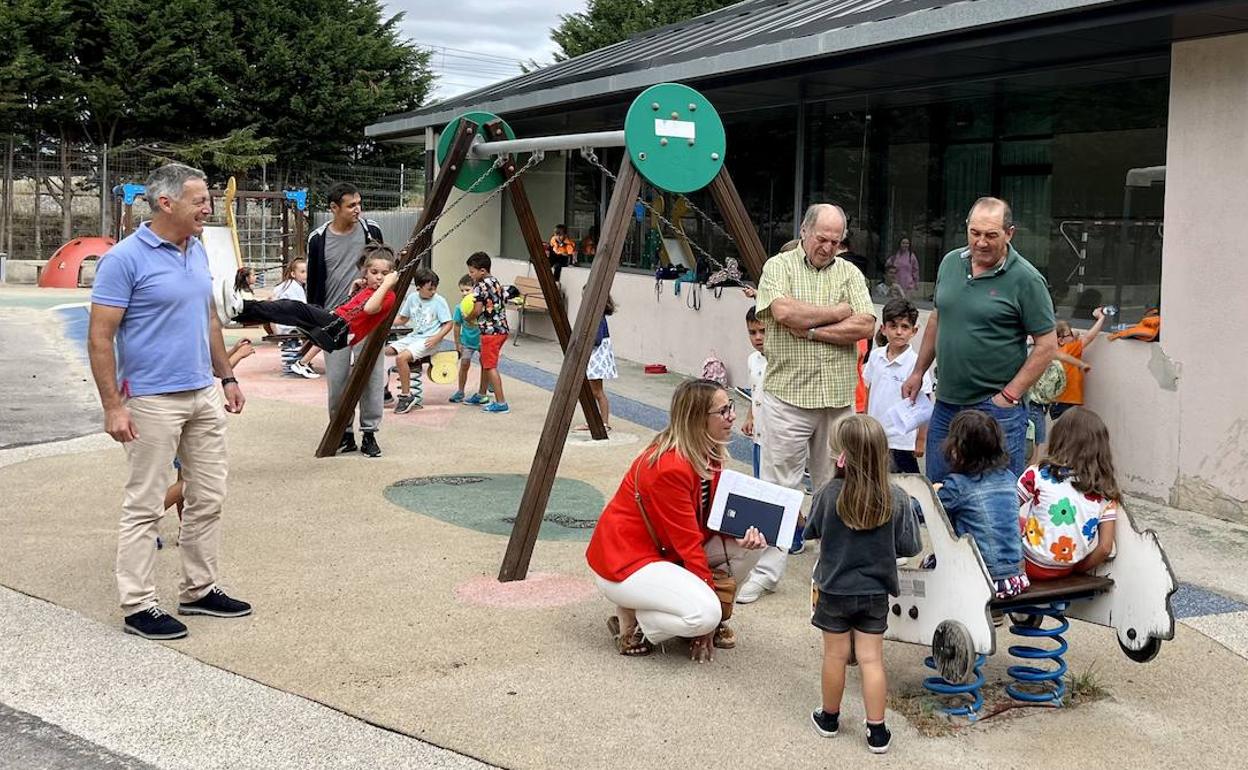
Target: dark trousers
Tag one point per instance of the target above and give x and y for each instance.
(292, 312)
(287, 312)
(904, 461)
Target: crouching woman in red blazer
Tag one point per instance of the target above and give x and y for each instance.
(651, 550)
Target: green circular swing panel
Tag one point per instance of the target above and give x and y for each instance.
(675, 138)
(473, 167)
(487, 502)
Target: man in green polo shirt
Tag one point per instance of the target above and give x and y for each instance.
(989, 300)
(816, 307)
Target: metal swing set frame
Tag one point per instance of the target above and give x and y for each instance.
(661, 136)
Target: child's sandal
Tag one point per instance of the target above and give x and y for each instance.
(725, 638)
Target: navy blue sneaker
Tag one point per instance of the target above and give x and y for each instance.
(154, 623)
(825, 724)
(216, 604)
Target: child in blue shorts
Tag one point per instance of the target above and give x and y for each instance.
(468, 346)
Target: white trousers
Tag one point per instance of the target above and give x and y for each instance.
(796, 438)
(670, 601)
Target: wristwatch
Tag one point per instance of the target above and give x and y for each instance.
(227, 380)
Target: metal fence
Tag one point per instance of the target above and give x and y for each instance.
(51, 195)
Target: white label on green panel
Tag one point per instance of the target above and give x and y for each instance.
(685, 129)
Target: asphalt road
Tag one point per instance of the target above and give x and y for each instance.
(48, 393)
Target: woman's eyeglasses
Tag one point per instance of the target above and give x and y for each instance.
(726, 412)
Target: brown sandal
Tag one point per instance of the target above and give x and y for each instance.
(634, 645)
(725, 637)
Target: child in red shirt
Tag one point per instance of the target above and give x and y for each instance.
(348, 324)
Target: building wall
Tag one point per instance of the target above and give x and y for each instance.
(1176, 409)
(546, 186)
(480, 233)
(656, 330)
(1204, 275)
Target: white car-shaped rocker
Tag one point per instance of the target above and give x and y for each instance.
(949, 606)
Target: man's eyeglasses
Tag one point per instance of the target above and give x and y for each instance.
(726, 412)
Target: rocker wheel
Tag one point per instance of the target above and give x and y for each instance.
(953, 650)
(1145, 653)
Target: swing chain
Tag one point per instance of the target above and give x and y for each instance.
(592, 157)
(707, 218)
(535, 158)
(498, 163)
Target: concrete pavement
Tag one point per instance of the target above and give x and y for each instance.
(393, 616)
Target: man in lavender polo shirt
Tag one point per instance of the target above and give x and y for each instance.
(153, 296)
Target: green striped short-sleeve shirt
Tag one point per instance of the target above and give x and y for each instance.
(804, 373)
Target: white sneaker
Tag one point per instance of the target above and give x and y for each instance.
(304, 370)
(751, 592)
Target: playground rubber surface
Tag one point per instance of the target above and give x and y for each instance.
(387, 612)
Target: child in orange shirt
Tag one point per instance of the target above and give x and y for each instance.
(1072, 347)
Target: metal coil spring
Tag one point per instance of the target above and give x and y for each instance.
(957, 693)
(289, 356)
(1051, 681)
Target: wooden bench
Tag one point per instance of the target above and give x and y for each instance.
(1045, 591)
(531, 299)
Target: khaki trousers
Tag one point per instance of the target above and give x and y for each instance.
(796, 438)
(190, 425)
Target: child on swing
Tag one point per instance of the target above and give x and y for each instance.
(863, 523)
(348, 324)
(1069, 501)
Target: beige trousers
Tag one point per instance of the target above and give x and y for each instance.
(191, 426)
(796, 438)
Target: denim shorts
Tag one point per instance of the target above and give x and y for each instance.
(838, 614)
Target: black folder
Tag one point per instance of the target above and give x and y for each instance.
(741, 513)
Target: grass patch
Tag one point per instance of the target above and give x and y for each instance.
(922, 710)
(1084, 687)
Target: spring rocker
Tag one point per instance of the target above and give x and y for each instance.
(949, 608)
(672, 137)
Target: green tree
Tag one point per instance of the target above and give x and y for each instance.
(609, 21)
(319, 71)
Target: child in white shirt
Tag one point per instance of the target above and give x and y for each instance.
(887, 368)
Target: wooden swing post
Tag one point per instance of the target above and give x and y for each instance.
(541, 477)
(546, 277)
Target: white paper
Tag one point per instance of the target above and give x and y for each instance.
(906, 416)
(732, 482)
(682, 129)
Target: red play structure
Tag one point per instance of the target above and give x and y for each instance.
(64, 269)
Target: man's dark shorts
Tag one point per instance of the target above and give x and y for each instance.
(838, 614)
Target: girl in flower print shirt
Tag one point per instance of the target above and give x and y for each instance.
(1069, 502)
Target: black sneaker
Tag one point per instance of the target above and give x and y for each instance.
(878, 738)
(347, 444)
(405, 404)
(369, 445)
(216, 604)
(825, 724)
(386, 396)
(330, 337)
(154, 623)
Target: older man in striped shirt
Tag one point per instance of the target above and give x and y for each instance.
(816, 307)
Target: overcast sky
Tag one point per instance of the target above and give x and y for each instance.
(477, 42)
